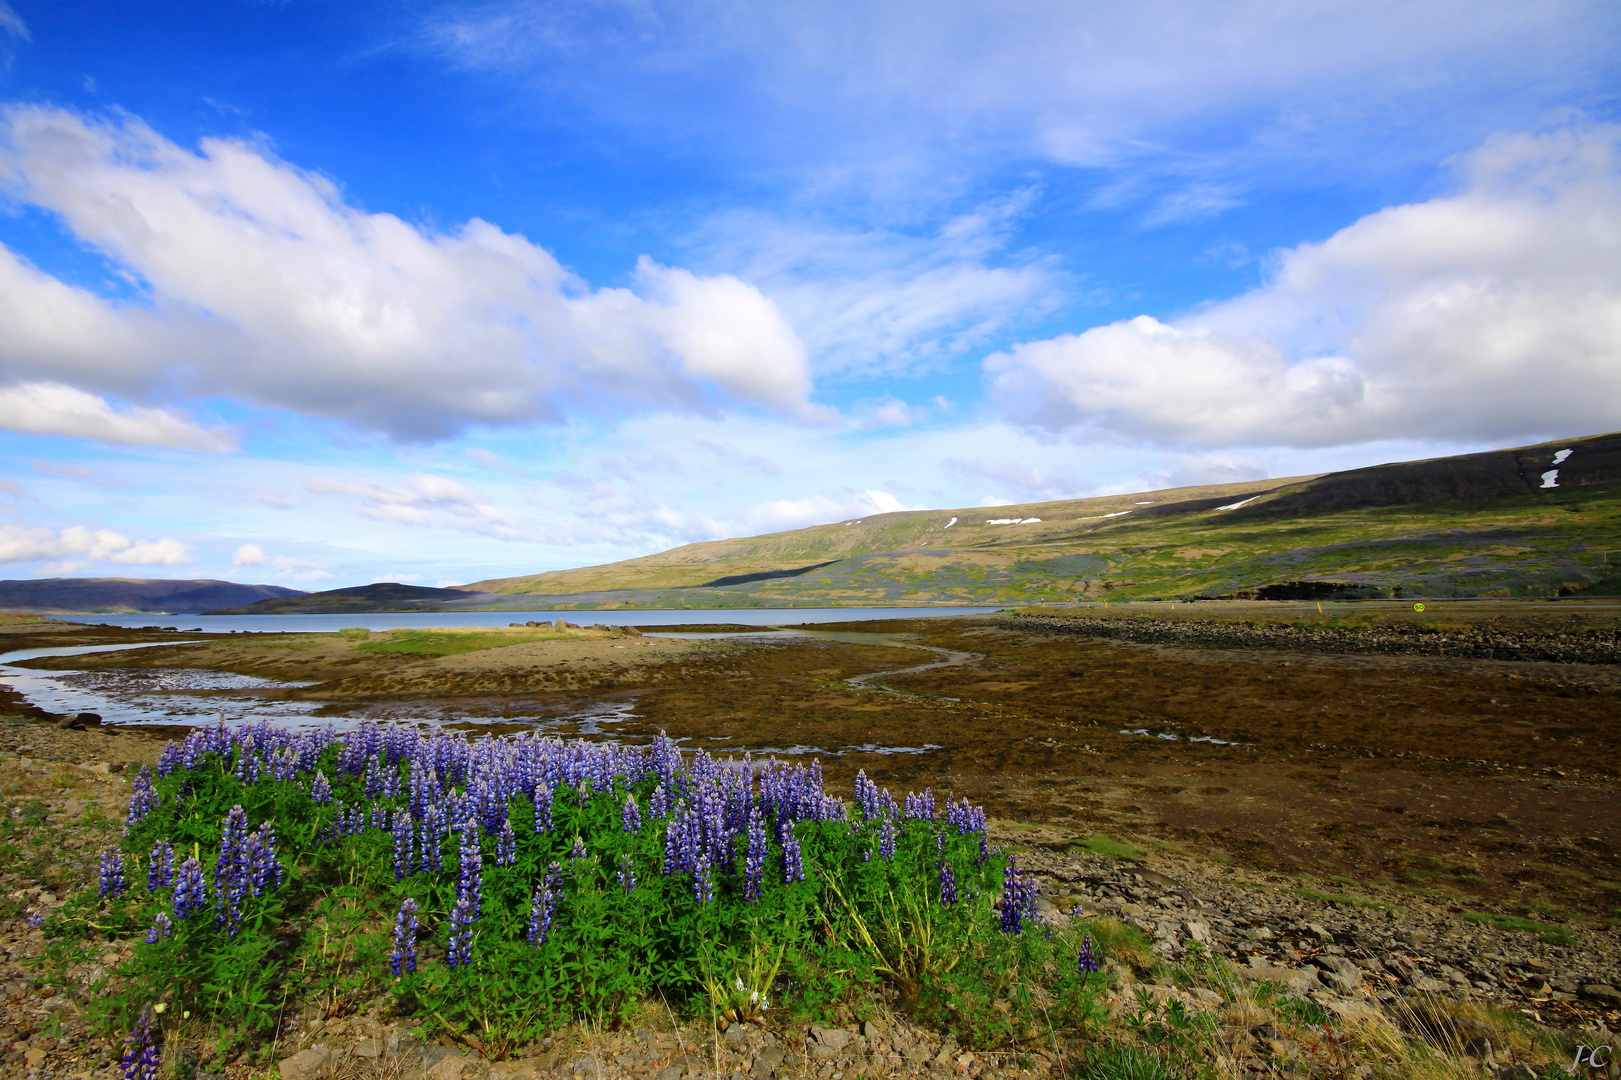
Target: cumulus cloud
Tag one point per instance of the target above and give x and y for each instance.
(249, 555)
(1489, 314)
(45, 408)
(84, 545)
(263, 284)
(423, 499)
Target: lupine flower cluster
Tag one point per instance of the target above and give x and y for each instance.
(459, 829)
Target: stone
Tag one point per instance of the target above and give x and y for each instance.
(1426, 985)
(1297, 979)
(34, 1057)
(1197, 931)
(736, 1033)
(671, 1072)
(1602, 994)
(585, 1066)
(1478, 1047)
(1516, 1072)
(449, 1067)
(834, 1038)
(306, 1064)
(369, 1048)
(767, 1064)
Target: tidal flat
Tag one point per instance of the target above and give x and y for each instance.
(1367, 801)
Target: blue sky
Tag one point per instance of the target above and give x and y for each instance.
(322, 294)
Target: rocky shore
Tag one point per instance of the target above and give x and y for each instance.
(1473, 642)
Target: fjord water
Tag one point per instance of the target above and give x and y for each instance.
(419, 620)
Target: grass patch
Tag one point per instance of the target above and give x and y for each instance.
(1553, 935)
(449, 642)
(1111, 846)
(292, 643)
(1124, 1063)
(1339, 898)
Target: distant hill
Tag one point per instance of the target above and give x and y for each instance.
(1501, 523)
(106, 596)
(384, 596)
(1533, 521)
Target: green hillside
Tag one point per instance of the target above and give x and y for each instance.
(1473, 525)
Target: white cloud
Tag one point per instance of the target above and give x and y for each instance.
(780, 514)
(32, 543)
(908, 83)
(249, 555)
(883, 301)
(46, 408)
(265, 285)
(12, 30)
(1489, 315)
(423, 499)
(150, 552)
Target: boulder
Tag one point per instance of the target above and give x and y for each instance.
(306, 1064)
(835, 1039)
(1602, 994)
(1297, 979)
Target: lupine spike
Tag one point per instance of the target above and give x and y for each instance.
(403, 960)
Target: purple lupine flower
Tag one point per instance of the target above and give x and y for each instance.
(506, 845)
(470, 870)
(189, 895)
(140, 1061)
(578, 850)
(160, 928)
(403, 960)
(703, 886)
(886, 839)
(658, 803)
(320, 789)
(231, 871)
(793, 862)
(920, 807)
(432, 843)
(112, 872)
(541, 907)
(948, 883)
(1089, 958)
(630, 816)
(160, 866)
(404, 844)
(866, 796)
(754, 860)
(264, 869)
(459, 950)
(543, 809)
(627, 872)
(143, 797)
(1018, 900)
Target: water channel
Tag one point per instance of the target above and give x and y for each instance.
(191, 696)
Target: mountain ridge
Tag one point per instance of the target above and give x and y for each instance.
(77, 596)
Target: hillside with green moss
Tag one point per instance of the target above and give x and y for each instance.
(1503, 523)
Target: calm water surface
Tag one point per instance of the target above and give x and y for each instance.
(396, 620)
